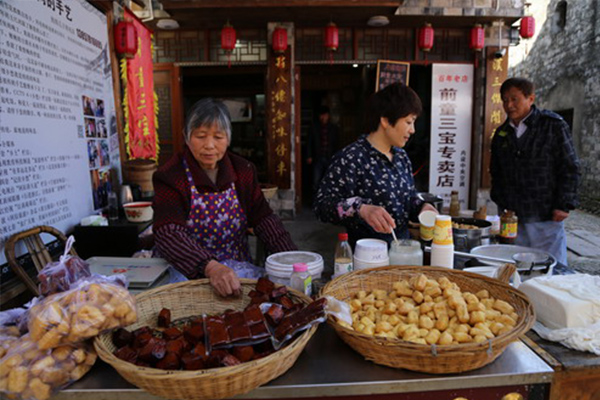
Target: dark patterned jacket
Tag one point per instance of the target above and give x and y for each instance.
(537, 173)
(172, 206)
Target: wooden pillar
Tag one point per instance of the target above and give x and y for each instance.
(494, 115)
(279, 118)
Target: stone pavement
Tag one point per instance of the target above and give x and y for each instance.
(583, 242)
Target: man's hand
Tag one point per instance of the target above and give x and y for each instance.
(559, 215)
(223, 279)
(377, 218)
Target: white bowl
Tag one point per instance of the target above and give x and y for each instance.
(138, 211)
(371, 250)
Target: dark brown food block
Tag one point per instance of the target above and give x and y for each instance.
(216, 330)
(122, 337)
(170, 362)
(275, 314)
(254, 293)
(164, 318)
(143, 329)
(127, 354)
(192, 362)
(171, 333)
(214, 358)
(200, 350)
(253, 315)
(175, 347)
(239, 332)
(264, 285)
(259, 331)
(197, 321)
(159, 350)
(142, 340)
(263, 349)
(236, 318)
(277, 293)
(230, 360)
(283, 329)
(263, 298)
(194, 333)
(286, 302)
(243, 353)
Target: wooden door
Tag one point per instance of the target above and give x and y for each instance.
(167, 85)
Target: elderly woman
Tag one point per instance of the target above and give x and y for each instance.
(205, 200)
(369, 186)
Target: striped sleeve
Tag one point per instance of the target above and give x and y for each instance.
(180, 250)
(272, 232)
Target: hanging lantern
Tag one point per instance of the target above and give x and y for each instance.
(126, 41)
(426, 35)
(477, 41)
(332, 39)
(280, 40)
(527, 28)
(228, 41)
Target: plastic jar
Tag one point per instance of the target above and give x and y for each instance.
(508, 227)
(406, 252)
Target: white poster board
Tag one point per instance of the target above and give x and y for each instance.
(58, 138)
(451, 122)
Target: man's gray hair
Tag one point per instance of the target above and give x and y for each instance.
(207, 112)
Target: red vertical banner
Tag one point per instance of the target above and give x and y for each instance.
(279, 119)
(140, 105)
(496, 73)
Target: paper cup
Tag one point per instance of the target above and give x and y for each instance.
(442, 231)
(426, 224)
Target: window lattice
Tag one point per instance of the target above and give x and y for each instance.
(251, 45)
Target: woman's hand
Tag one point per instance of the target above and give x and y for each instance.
(377, 218)
(223, 279)
(559, 215)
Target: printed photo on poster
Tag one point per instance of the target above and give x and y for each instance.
(93, 154)
(389, 72)
(99, 109)
(86, 103)
(101, 186)
(101, 128)
(104, 153)
(90, 128)
(240, 109)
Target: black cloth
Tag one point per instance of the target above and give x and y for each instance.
(537, 173)
(316, 150)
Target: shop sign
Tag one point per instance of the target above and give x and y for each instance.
(451, 124)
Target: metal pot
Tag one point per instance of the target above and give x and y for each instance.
(432, 199)
(466, 239)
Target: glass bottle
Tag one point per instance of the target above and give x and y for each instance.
(343, 256)
(406, 252)
(113, 206)
(301, 279)
(454, 204)
(508, 227)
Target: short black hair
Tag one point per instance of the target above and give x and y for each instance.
(393, 102)
(524, 85)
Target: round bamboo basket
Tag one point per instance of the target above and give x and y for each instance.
(424, 358)
(194, 298)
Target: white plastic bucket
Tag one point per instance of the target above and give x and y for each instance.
(362, 264)
(279, 266)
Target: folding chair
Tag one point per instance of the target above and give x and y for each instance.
(37, 250)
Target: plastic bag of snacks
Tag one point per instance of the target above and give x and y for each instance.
(93, 305)
(28, 373)
(58, 276)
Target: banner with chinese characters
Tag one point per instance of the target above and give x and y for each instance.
(496, 72)
(139, 100)
(279, 119)
(451, 122)
(59, 145)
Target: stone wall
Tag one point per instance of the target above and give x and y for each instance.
(564, 63)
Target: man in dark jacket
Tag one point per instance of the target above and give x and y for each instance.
(323, 143)
(534, 169)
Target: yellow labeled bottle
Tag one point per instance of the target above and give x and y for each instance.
(508, 227)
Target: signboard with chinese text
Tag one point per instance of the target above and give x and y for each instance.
(389, 72)
(279, 119)
(496, 73)
(141, 116)
(59, 148)
(451, 124)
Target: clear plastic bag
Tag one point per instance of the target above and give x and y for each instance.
(244, 269)
(58, 276)
(93, 305)
(28, 373)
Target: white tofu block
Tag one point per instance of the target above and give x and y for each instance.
(556, 308)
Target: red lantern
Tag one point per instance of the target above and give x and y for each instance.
(332, 40)
(527, 28)
(426, 35)
(477, 41)
(280, 40)
(228, 38)
(126, 41)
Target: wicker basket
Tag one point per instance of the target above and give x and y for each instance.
(195, 298)
(424, 358)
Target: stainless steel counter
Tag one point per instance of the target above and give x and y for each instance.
(328, 367)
